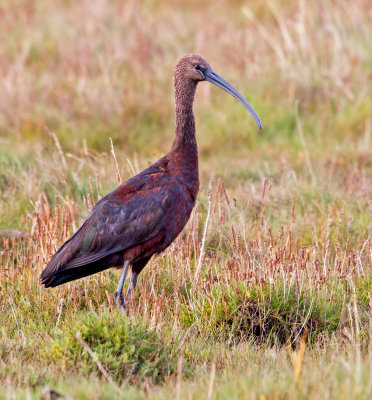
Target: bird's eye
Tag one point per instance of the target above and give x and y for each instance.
(201, 69)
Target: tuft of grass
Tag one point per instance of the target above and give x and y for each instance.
(129, 350)
(268, 315)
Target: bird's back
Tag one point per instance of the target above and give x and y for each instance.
(138, 219)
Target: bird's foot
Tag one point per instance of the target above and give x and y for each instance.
(121, 301)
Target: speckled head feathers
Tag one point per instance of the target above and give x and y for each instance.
(188, 67)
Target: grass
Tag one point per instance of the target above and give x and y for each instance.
(268, 298)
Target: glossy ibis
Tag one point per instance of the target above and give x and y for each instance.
(145, 214)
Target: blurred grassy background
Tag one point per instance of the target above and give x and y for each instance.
(296, 214)
(89, 70)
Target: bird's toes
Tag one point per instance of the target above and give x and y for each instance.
(121, 301)
(116, 294)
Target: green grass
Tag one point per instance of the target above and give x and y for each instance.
(131, 352)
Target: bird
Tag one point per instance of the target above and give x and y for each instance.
(145, 214)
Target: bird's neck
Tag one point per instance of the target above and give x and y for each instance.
(184, 141)
(184, 148)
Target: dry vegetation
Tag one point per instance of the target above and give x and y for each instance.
(267, 293)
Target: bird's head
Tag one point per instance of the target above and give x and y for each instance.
(190, 67)
(194, 69)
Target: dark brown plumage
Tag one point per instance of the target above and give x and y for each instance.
(145, 214)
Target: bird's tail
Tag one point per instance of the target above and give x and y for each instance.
(70, 274)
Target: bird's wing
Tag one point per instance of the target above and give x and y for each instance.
(130, 215)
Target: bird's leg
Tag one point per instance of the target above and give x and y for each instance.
(119, 289)
(133, 283)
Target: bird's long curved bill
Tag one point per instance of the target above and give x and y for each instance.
(212, 77)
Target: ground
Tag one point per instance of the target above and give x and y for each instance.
(267, 292)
